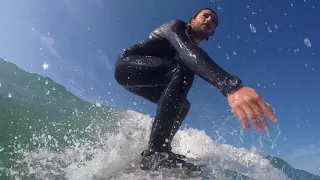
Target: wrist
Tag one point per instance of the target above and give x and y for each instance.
(235, 90)
(232, 84)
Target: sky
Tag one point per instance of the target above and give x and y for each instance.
(271, 45)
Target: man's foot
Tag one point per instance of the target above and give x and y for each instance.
(156, 160)
(173, 155)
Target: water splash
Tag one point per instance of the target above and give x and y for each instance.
(118, 154)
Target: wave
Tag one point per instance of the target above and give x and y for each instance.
(48, 133)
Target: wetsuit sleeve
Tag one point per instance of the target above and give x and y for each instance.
(196, 60)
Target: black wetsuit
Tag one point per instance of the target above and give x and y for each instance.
(161, 68)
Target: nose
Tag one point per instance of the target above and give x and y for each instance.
(209, 21)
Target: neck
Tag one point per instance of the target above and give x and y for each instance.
(195, 39)
(192, 35)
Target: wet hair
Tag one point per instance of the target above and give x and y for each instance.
(197, 13)
(200, 10)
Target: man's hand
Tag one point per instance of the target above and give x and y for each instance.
(246, 102)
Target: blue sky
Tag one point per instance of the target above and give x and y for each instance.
(80, 40)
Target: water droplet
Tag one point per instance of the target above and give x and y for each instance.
(10, 95)
(135, 103)
(252, 28)
(269, 30)
(276, 26)
(133, 165)
(307, 42)
(234, 53)
(45, 65)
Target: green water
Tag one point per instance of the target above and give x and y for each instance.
(36, 112)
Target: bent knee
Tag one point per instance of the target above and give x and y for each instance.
(121, 77)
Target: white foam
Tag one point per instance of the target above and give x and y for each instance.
(119, 154)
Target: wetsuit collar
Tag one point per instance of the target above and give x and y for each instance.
(189, 32)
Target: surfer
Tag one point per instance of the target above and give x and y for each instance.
(161, 69)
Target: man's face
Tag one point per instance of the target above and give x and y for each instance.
(205, 23)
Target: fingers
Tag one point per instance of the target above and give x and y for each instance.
(257, 110)
(242, 116)
(266, 108)
(254, 112)
(251, 115)
(249, 103)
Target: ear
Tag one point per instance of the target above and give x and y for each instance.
(191, 22)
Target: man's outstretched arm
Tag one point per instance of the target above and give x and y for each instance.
(244, 101)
